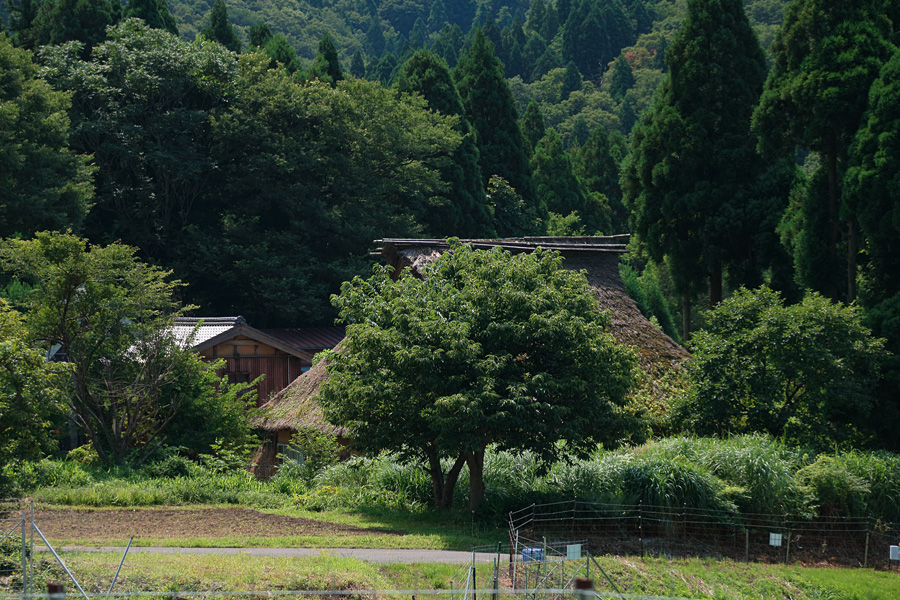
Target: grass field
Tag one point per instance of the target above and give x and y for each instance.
(700, 579)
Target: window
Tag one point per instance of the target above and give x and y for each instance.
(289, 452)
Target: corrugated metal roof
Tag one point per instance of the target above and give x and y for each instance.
(309, 338)
(209, 327)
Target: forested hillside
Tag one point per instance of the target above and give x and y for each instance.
(257, 149)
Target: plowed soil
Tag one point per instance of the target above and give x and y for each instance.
(157, 523)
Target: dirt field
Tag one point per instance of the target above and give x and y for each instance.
(109, 524)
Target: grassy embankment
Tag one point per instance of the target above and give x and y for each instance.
(695, 578)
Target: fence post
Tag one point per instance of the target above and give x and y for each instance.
(747, 544)
(866, 555)
(584, 589)
(787, 553)
(24, 553)
(641, 525)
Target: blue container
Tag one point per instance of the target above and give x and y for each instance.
(532, 554)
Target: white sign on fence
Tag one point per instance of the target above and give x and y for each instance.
(573, 552)
(895, 552)
(774, 539)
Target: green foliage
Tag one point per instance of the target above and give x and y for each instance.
(221, 30)
(326, 66)
(141, 106)
(596, 163)
(645, 290)
(533, 125)
(489, 348)
(353, 163)
(804, 373)
(462, 210)
(31, 406)
(511, 214)
(129, 376)
(44, 183)
(594, 33)
(491, 111)
(319, 451)
(688, 199)
(826, 57)
(560, 190)
(155, 13)
(871, 185)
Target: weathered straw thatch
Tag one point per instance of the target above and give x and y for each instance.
(296, 405)
(598, 257)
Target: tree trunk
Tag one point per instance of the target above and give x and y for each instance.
(852, 251)
(450, 483)
(833, 217)
(686, 318)
(715, 286)
(437, 477)
(475, 461)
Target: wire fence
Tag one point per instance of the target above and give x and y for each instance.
(688, 532)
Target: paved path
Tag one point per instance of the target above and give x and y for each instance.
(375, 555)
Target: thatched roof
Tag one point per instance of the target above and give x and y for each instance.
(598, 256)
(296, 405)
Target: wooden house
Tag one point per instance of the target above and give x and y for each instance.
(280, 355)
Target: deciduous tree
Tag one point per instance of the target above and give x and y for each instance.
(44, 184)
(30, 395)
(111, 315)
(804, 372)
(487, 349)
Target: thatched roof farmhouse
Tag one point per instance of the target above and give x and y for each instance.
(295, 407)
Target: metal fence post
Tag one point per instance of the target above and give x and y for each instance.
(747, 544)
(24, 553)
(641, 525)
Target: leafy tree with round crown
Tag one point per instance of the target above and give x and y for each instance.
(488, 349)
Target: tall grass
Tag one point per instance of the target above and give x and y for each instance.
(750, 474)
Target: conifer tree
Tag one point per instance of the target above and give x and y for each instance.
(690, 178)
(594, 33)
(872, 183)
(560, 189)
(21, 22)
(259, 34)
(492, 112)
(827, 54)
(571, 81)
(280, 51)
(375, 42)
(622, 78)
(383, 70)
(326, 66)
(220, 28)
(464, 211)
(357, 65)
(533, 125)
(74, 20)
(597, 167)
(155, 13)
(437, 16)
